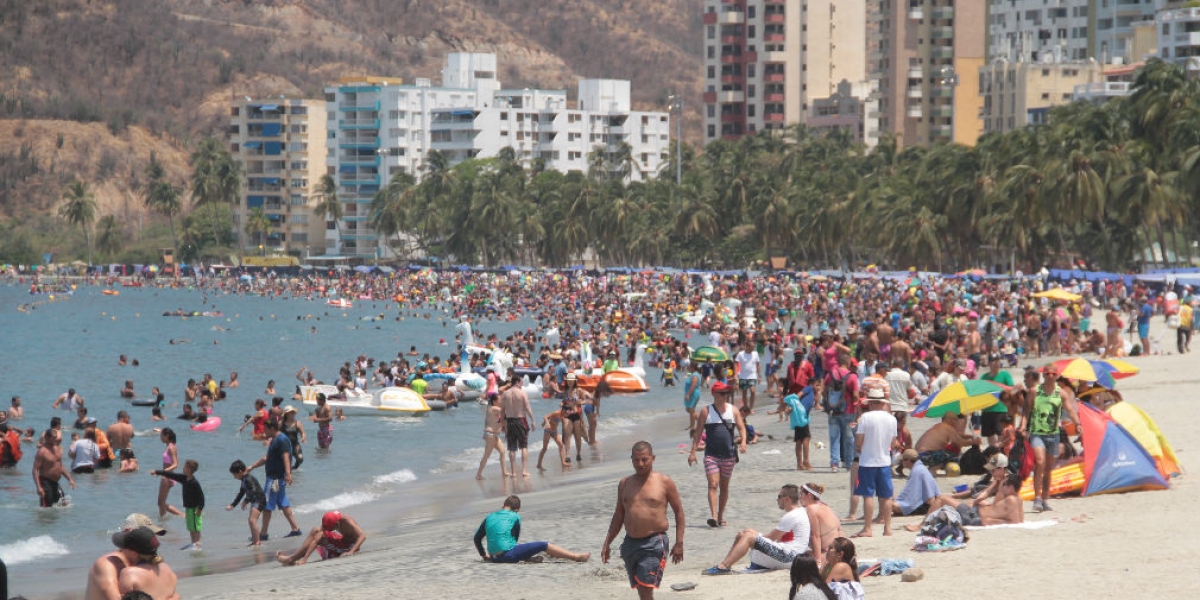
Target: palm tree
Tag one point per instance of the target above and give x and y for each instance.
(216, 178)
(79, 209)
(329, 206)
(162, 196)
(110, 237)
(257, 225)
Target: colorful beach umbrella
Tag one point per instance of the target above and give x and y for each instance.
(1059, 294)
(710, 353)
(1102, 372)
(962, 397)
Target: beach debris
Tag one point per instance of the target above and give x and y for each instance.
(912, 575)
(683, 587)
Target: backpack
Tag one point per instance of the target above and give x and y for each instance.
(971, 462)
(836, 402)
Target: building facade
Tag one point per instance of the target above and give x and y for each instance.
(1112, 27)
(1029, 30)
(848, 110)
(280, 144)
(1016, 95)
(1179, 37)
(540, 125)
(765, 59)
(379, 125)
(931, 53)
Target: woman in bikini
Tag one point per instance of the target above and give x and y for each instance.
(573, 424)
(170, 463)
(826, 526)
(492, 437)
(550, 426)
(841, 570)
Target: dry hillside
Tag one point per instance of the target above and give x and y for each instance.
(120, 78)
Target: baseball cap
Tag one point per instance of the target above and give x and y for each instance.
(330, 521)
(910, 454)
(997, 461)
(90, 421)
(141, 540)
(135, 520)
(720, 388)
(876, 395)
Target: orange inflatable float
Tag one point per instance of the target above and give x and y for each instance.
(111, 292)
(1064, 480)
(619, 382)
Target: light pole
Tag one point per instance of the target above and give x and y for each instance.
(947, 77)
(676, 104)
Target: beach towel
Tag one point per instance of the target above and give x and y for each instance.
(1025, 525)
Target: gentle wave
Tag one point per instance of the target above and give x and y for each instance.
(379, 486)
(31, 550)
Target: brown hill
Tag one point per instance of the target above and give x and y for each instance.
(120, 78)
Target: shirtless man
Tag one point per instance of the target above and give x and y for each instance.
(642, 501)
(102, 583)
(48, 469)
(323, 416)
(15, 412)
(935, 446)
(146, 571)
(518, 418)
(338, 535)
(127, 391)
(120, 434)
(901, 350)
(1004, 509)
(886, 336)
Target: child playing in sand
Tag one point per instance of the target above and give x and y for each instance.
(193, 499)
(251, 495)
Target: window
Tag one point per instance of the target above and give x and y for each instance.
(750, 110)
(712, 110)
(299, 165)
(712, 131)
(750, 32)
(574, 155)
(712, 32)
(712, 51)
(750, 91)
(712, 72)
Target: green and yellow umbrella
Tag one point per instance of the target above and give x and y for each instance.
(710, 353)
(963, 397)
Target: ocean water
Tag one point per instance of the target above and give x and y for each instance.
(398, 470)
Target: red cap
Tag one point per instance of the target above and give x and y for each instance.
(720, 388)
(330, 521)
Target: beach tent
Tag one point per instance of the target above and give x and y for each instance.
(1146, 432)
(1113, 461)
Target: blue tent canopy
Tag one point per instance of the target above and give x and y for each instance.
(270, 129)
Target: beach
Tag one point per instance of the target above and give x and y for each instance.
(1109, 546)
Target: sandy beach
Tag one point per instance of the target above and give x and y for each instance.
(1110, 546)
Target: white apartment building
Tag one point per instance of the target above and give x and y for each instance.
(1030, 30)
(1179, 37)
(377, 125)
(1113, 34)
(280, 143)
(541, 125)
(766, 60)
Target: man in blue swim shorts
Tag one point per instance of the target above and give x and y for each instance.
(502, 529)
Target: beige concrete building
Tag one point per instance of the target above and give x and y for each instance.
(765, 60)
(280, 143)
(1019, 94)
(931, 52)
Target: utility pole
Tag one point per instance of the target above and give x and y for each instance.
(676, 104)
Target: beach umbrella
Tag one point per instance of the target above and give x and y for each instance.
(710, 353)
(962, 397)
(1059, 294)
(1099, 371)
(1121, 369)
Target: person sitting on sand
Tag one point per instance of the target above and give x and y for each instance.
(944, 442)
(920, 489)
(1006, 508)
(841, 570)
(502, 530)
(338, 535)
(777, 549)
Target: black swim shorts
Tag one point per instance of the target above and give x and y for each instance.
(516, 433)
(645, 559)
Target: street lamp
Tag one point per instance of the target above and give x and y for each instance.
(675, 103)
(947, 77)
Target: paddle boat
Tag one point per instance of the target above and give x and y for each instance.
(339, 303)
(388, 401)
(619, 382)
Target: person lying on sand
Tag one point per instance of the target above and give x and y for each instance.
(1006, 508)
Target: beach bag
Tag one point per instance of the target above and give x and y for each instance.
(971, 462)
(836, 402)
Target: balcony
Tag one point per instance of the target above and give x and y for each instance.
(916, 13)
(1187, 38)
(942, 112)
(775, 18)
(358, 123)
(733, 17)
(710, 18)
(733, 39)
(733, 78)
(710, 97)
(942, 131)
(942, 33)
(775, 57)
(1102, 90)
(731, 59)
(916, 73)
(773, 98)
(915, 92)
(774, 77)
(773, 117)
(732, 118)
(775, 37)
(942, 52)
(731, 96)
(943, 13)
(914, 112)
(942, 92)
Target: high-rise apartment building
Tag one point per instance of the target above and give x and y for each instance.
(539, 125)
(280, 144)
(1113, 30)
(931, 52)
(1017, 94)
(379, 125)
(1032, 30)
(765, 60)
(1179, 37)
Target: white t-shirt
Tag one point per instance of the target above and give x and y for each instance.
(899, 382)
(747, 364)
(796, 529)
(714, 338)
(878, 428)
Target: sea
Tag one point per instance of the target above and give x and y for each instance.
(391, 472)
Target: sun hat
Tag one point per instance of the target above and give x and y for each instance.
(997, 461)
(290, 409)
(135, 520)
(571, 377)
(876, 395)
